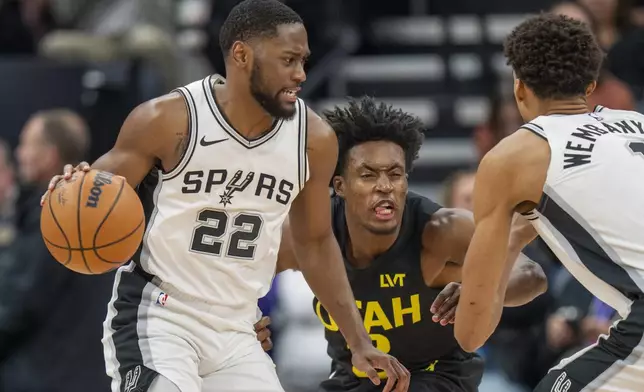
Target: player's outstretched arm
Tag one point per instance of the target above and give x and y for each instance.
(510, 179)
(320, 260)
(446, 239)
(156, 130)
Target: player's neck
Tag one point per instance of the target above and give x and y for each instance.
(568, 106)
(242, 111)
(364, 246)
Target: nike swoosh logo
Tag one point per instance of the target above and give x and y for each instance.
(207, 143)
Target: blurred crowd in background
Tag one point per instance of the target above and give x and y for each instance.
(71, 70)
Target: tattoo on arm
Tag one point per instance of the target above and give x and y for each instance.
(182, 143)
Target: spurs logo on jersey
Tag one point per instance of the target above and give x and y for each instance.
(132, 378)
(562, 384)
(215, 220)
(235, 185)
(267, 186)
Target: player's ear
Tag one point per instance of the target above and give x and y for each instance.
(240, 54)
(338, 185)
(519, 90)
(591, 87)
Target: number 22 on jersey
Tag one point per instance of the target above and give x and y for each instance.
(220, 234)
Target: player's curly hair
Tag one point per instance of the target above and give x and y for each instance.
(255, 18)
(365, 120)
(556, 56)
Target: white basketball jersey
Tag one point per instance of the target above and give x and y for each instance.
(592, 210)
(215, 221)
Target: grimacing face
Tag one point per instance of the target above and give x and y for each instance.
(374, 185)
(278, 70)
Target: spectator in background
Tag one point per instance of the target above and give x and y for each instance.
(459, 188)
(612, 19)
(597, 322)
(610, 91)
(50, 317)
(109, 30)
(637, 13)
(22, 24)
(626, 57)
(504, 119)
(8, 193)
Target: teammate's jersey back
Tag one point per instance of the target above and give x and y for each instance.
(214, 222)
(592, 210)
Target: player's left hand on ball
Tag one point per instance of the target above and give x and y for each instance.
(369, 358)
(444, 306)
(263, 333)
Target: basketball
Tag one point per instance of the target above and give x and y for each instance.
(92, 223)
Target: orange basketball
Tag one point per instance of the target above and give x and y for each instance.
(92, 223)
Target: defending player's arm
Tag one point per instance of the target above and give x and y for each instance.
(447, 238)
(156, 130)
(320, 260)
(510, 179)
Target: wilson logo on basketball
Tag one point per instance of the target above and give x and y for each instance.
(100, 179)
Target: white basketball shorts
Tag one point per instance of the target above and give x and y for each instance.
(148, 332)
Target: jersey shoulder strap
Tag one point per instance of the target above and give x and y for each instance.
(419, 210)
(540, 124)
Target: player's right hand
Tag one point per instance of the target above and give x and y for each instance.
(68, 171)
(368, 358)
(444, 306)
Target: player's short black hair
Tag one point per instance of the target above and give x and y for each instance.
(555, 56)
(255, 18)
(365, 120)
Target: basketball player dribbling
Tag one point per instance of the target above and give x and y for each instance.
(577, 174)
(401, 252)
(218, 166)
